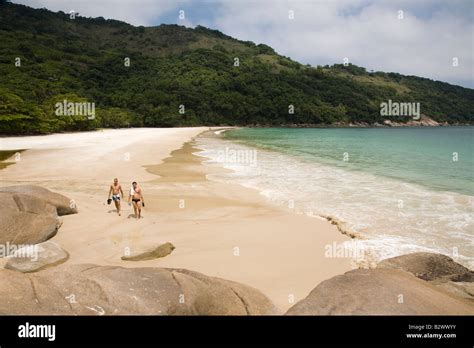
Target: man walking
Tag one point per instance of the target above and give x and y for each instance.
(116, 192)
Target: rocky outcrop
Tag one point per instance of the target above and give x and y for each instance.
(440, 270)
(105, 290)
(429, 266)
(64, 205)
(29, 215)
(153, 253)
(460, 289)
(36, 257)
(380, 292)
(423, 121)
(413, 284)
(26, 219)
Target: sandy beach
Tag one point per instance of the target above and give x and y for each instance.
(218, 229)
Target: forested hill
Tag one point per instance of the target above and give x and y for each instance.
(179, 76)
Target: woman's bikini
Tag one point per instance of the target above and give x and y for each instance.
(137, 190)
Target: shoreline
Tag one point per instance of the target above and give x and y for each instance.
(341, 225)
(221, 230)
(303, 125)
(394, 245)
(352, 126)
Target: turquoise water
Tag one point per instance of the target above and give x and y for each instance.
(401, 190)
(426, 156)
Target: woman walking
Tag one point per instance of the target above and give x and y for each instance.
(136, 196)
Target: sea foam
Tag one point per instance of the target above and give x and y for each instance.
(390, 216)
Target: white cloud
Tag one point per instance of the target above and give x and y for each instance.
(368, 33)
(136, 12)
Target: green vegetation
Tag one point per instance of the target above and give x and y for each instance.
(82, 59)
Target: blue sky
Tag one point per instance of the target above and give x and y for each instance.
(425, 39)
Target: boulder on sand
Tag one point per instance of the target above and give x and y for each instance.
(26, 219)
(36, 257)
(380, 292)
(429, 266)
(153, 253)
(64, 205)
(440, 270)
(29, 215)
(459, 289)
(98, 290)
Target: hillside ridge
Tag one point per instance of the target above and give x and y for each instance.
(170, 75)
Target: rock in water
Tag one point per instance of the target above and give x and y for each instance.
(429, 266)
(37, 257)
(26, 219)
(98, 290)
(64, 205)
(379, 292)
(160, 251)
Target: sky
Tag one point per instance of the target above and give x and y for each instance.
(427, 38)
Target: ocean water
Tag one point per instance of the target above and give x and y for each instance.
(400, 190)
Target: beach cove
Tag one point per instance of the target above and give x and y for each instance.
(219, 229)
